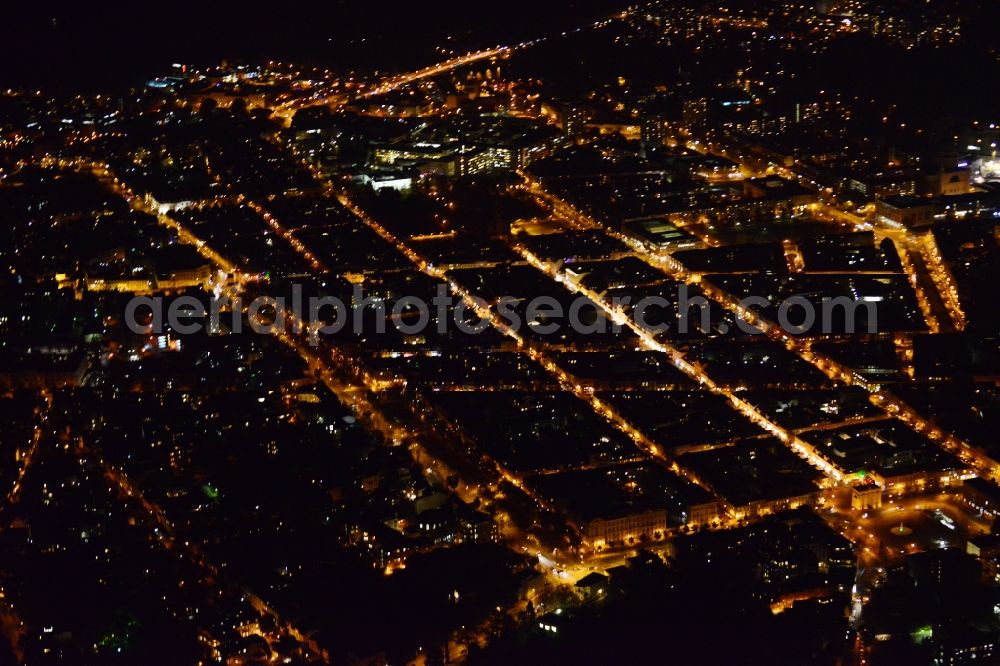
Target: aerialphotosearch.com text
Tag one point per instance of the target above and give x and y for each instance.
(362, 313)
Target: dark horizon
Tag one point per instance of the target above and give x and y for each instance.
(87, 48)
